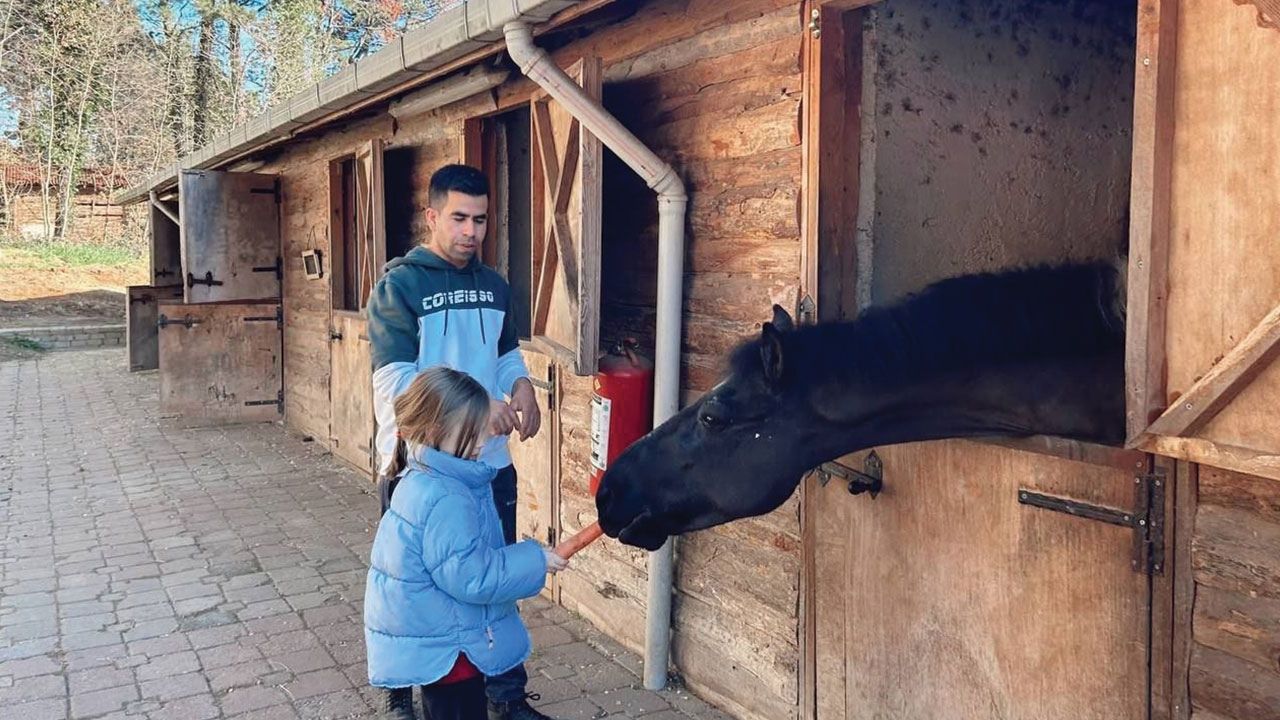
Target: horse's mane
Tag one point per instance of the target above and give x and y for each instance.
(966, 322)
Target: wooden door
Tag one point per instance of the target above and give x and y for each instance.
(567, 215)
(359, 249)
(946, 598)
(1204, 299)
(142, 338)
(230, 235)
(220, 363)
(351, 418)
(166, 247)
(535, 461)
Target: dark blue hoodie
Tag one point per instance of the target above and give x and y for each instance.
(426, 312)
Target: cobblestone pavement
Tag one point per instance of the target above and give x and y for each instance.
(151, 571)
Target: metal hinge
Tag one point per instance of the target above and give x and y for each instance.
(278, 402)
(278, 268)
(1146, 519)
(278, 318)
(192, 280)
(548, 386)
(186, 322)
(815, 23)
(869, 480)
(274, 190)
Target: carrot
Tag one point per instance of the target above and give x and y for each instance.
(584, 537)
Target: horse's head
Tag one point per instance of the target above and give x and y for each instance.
(975, 355)
(739, 451)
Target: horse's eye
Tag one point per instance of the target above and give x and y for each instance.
(713, 418)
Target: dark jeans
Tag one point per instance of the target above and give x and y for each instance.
(457, 701)
(509, 685)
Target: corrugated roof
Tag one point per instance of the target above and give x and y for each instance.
(422, 51)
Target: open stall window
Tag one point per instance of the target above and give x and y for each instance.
(501, 146)
(357, 226)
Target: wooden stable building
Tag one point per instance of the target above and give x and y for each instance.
(836, 154)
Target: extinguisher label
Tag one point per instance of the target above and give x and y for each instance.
(601, 407)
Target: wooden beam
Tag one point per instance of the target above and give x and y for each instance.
(1185, 499)
(542, 291)
(155, 201)
(568, 169)
(1227, 457)
(1208, 395)
(811, 94)
(544, 135)
(1163, 589)
(1150, 213)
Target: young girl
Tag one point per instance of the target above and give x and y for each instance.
(440, 600)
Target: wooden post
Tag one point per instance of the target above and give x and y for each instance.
(1150, 213)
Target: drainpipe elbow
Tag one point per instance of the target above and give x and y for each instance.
(520, 45)
(669, 186)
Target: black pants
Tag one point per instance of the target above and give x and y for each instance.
(510, 685)
(456, 701)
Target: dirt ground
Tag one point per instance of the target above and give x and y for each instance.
(35, 292)
(40, 292)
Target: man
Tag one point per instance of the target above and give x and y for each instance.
(438, 305)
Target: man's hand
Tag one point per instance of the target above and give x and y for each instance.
(525, 402)
(502, 418)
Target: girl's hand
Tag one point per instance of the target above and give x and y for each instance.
(555, 563)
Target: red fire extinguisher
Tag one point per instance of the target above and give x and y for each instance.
(621, 408)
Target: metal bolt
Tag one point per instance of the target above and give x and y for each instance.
(1143, 523)
(1146, 61)
(1128, 518)
(1187, 406)
(1157, 483)
(1157, 567)
(1022, 496)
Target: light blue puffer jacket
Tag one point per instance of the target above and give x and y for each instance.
(441, 580)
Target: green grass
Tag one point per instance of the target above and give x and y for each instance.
(76, 254)
(22, 343)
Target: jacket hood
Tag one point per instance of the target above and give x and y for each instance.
(421, 256)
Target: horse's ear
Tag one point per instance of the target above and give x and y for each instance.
(782, 319)
(771, 352)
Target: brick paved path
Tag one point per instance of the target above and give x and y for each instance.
(150, 571)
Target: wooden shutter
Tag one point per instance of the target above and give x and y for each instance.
(371, 221)
(142, 312)
(1204, 300)
(166, 253)
(220, 363)
(566, 246)
(230, 235)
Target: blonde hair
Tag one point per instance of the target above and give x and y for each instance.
(436, 403)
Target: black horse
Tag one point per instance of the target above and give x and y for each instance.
(1026, 352)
